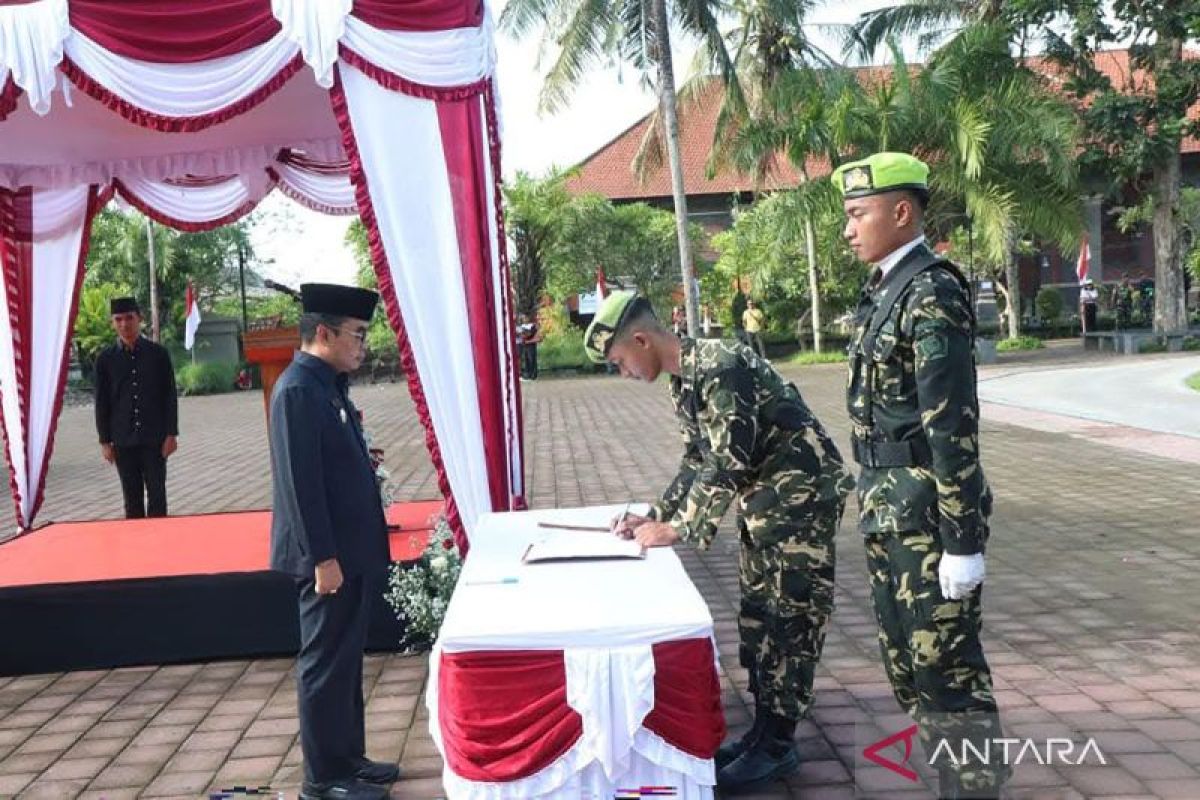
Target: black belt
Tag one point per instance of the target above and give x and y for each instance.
(877, 455)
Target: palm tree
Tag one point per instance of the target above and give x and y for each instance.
(634, 31)
(1002, 146)
(930, 21)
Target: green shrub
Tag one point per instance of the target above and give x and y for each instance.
(563, 349)
(1191, 343)
(809, 357)
(1020, 343)
(1152, 346)
(1049, 304)
(209, 378)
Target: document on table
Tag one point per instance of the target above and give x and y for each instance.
(581, 545)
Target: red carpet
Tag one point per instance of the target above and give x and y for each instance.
(208, 544)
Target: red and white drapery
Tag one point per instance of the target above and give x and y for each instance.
(584, 722)
(194, 110)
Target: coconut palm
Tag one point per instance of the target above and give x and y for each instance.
(637, 32)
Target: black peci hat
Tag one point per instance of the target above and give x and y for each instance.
(338, 300)
(123, 305)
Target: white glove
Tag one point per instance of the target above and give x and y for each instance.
(959, 575)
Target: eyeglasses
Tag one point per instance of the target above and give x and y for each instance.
(360, 335)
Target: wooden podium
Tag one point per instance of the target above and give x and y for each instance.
(271, 349)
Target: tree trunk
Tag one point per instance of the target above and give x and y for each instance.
(814, 290)
(1170, 301)
(1170, 310)
(1012, 306)
(153, 280)
(667, 107)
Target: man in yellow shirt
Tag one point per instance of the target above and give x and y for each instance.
(752, 321)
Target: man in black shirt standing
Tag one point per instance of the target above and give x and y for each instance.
(137, 412)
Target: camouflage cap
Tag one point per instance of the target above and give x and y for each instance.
(616, 309)
(882, 172)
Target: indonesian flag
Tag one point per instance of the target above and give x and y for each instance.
(601, 283)
(1084, 261)
(193, 318)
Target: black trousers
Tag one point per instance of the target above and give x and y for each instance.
(529, 363)
(329, 676)
(1089, 317)
(143, 472)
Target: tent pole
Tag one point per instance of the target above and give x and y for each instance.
(153, 280)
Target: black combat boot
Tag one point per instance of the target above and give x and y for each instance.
(730, 750)
(769, 758)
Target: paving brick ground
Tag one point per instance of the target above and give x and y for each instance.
(1091, 627)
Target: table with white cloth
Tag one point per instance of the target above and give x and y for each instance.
(573, 679)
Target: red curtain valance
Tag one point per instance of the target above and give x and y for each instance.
(174, 31)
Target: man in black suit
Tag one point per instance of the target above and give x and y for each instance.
(329, 533)
(137, 411)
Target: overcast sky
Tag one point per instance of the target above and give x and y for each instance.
(304, 245)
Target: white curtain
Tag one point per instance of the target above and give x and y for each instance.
(182, 90)
(331, 194)
(199, 204)
(31, 45)
(410, 191)
(434, 58)
(59, 217)
(316, 26)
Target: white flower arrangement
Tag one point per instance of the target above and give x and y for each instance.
(419, 591)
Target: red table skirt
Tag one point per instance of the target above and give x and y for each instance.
(504, 714)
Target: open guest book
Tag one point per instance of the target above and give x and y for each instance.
(574, 545)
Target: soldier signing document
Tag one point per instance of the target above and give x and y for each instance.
(749, 436)
(923, 499)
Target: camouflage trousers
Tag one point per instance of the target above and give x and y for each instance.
(934, 659)
(786, 571)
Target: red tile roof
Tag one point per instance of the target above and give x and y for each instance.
(609, 170)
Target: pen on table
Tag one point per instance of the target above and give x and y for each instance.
(491, 582)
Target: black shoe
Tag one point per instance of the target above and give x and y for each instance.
(729, 751)
(376, 771)
(348, 789)
(770, 758)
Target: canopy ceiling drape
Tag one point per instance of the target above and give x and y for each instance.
(194, 110)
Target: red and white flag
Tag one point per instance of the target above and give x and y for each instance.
(1084, 261)
(601, 283)
(193, 318)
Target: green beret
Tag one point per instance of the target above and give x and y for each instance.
(614, 312)
(882, 172)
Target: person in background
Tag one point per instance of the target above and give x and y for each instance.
(753, 320)
(679, 321)
(137, 411)
(528, 336)
(1088, 299)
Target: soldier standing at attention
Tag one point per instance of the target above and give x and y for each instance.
(923, 499)
(747, 435)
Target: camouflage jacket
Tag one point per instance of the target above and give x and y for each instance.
(923, 371)
(746, 433)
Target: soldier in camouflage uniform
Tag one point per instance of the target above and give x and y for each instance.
(749, 437)
(923, 499)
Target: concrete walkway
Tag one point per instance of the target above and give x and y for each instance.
(1148, 394)
(1090, 621)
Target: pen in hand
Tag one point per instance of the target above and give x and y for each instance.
(619, 523)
